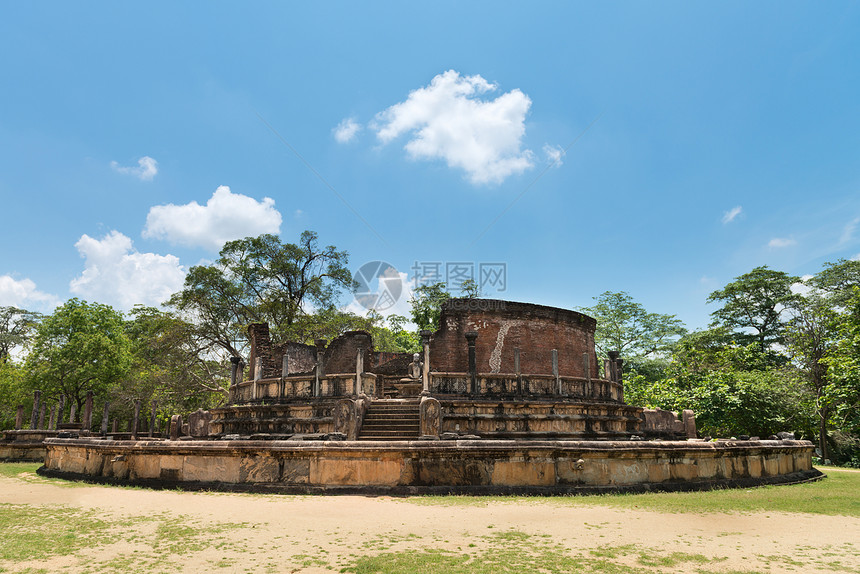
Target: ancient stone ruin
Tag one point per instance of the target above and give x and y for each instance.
(505, 397)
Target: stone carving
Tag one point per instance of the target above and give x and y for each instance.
(344, 418)
(198, 423)
(175, 427)
(431, 417)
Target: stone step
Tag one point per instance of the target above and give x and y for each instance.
(368, 428)
(390, 434)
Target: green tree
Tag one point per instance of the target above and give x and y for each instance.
(426, 304)
(838, 280)
(755, 301)
(261, 279)
(625, 326)
(80, 347)
(16, 328)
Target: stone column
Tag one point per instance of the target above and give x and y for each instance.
(285, 364)
(518, 371)
(175, 427)
(258, 374)
(115, 426)
(586, 365)
(34, 416)
(619, 372)
(425, 372)
(234, 370)
(613, 366)
(52, 420)
(471, 337)
(19, 417)
(320, 366)
(555, 371)
(359, 364)
(88, 412)
(42, 415)
(61, 409)
(73, 410)
(152, 419)
(105, 415)
(135, 422)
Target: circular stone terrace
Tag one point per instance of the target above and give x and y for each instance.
(506, 397)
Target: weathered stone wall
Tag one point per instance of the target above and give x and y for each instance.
(545, 467)
(341, 353)
(503, 325)
(303, 357)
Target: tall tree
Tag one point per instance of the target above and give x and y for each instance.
(80, 347)
(16, 328)
(625, 326)
(427, 303)
(756, 301)
(261, 279)
(838, 280)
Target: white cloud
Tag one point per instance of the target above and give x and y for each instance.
(448, 120)
(731, 214)
(116, 274)
(388, 284)
(225, 217)
(778, 242)
(554, 154)
(22, 293)
(146, 168)
(346, 130)
(848, 231)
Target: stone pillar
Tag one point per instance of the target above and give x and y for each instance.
(52, 420)
(234, 370)
(258, 374)
(619, 372)
(586, 365)
(471, 337)
(105, 414)
(42, 416)
(88, 412)
(320, 366)
(425, 372)
(73, 410)
(518, 371)
(285, 364)
(152, 419)
(135, 422)
(61, 409)
(19, 417)
(555, 372)
(359, 364)
(612, 375)
(34, 416)
(175, 427)
(115, 426)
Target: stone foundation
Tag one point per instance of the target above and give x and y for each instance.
(24, 445)
(471, 467)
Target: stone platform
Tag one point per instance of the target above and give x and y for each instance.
(433, 466)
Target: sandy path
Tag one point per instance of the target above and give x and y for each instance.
(319, 534)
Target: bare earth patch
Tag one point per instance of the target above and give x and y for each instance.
(138, 530)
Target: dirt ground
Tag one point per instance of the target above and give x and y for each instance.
(270, 533)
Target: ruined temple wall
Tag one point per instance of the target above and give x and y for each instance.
(341, 353)
(503, 325)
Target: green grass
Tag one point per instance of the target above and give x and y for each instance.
(13, 469)
(835, 495)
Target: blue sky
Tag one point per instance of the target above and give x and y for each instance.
(656, 148)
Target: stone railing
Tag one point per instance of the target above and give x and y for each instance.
(531, 386)
(301, 386)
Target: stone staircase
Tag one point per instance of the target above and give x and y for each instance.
(391, 419)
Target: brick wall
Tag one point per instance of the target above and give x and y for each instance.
(340, 354)
(503, 325)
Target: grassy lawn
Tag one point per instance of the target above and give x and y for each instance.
(838, 494)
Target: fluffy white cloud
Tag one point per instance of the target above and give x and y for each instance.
(115, 273)
(346, 130)
(225, 217)
(554, 154)
(449, 120)
(22, 293)
(778, 242)
(731, 214)
(146, 168)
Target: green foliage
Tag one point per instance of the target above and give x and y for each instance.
(80, 347)
(427, 303)
(16, 328)
(625, 326)
(13, 392)
(260, 279)
(755, 301)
